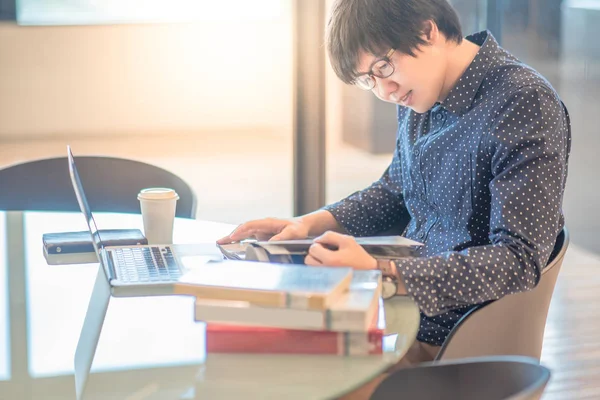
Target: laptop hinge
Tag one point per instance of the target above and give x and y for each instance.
(110, 266)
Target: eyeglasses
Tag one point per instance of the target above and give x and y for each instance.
(380, 68)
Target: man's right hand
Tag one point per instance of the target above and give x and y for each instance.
(268, 229)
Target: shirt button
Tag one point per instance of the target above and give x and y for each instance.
(416, 152)
(421, 235)
(439, 116)
(423, 197)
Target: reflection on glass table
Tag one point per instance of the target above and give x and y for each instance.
(150, 347)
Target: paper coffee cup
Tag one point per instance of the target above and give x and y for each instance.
(158, 207)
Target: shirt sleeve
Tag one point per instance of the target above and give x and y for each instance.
(529, 144)
(374, 209)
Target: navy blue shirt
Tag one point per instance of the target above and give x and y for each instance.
(482, 177)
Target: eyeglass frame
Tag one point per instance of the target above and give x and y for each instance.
(372, 74)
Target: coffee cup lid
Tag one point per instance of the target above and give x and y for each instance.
(157, 194)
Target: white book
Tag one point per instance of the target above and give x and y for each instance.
(353, 312)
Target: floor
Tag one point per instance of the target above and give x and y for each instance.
(253, 179)
(571, 344)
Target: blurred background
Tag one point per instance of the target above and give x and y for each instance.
(207, 90)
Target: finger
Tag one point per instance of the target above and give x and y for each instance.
(227, 239)
(332, 239)
(310, 260)
(262, 236)
(250, 229)
(318, 252)
(286, 234)
(224, 240)
(281, 236)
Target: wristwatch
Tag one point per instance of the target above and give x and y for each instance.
(389, 287)
(389, 284)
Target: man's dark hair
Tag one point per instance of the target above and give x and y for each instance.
(375, 26)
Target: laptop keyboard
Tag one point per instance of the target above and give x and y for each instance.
(145, 264)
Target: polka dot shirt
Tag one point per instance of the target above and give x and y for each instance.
(481, 176)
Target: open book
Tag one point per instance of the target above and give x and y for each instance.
(294, 251)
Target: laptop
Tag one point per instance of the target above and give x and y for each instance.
(141, 270)
(125, 271)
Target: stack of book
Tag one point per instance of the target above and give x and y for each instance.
(283, 307)
(350, 323)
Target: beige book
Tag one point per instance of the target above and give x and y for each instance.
(267, 284)
(354, 311)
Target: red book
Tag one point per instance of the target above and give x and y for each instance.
(225, 338)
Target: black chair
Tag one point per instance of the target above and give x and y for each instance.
(489, 378)
(111, 185)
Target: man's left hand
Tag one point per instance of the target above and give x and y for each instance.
(338, 250)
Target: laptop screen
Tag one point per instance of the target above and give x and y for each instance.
(94, 318)
(83, 203)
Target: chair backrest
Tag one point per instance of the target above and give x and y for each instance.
(111, 185)
(489, 378)
(511, 325)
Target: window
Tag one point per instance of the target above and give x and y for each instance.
(84, 12)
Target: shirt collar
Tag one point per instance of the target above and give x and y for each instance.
(461, 96)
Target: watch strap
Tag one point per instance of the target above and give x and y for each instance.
(387, 267)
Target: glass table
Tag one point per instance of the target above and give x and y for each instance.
(150, 347)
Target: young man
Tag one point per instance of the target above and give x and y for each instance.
(480, 163)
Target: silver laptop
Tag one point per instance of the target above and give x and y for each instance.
(127, 271)
(141, 270)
